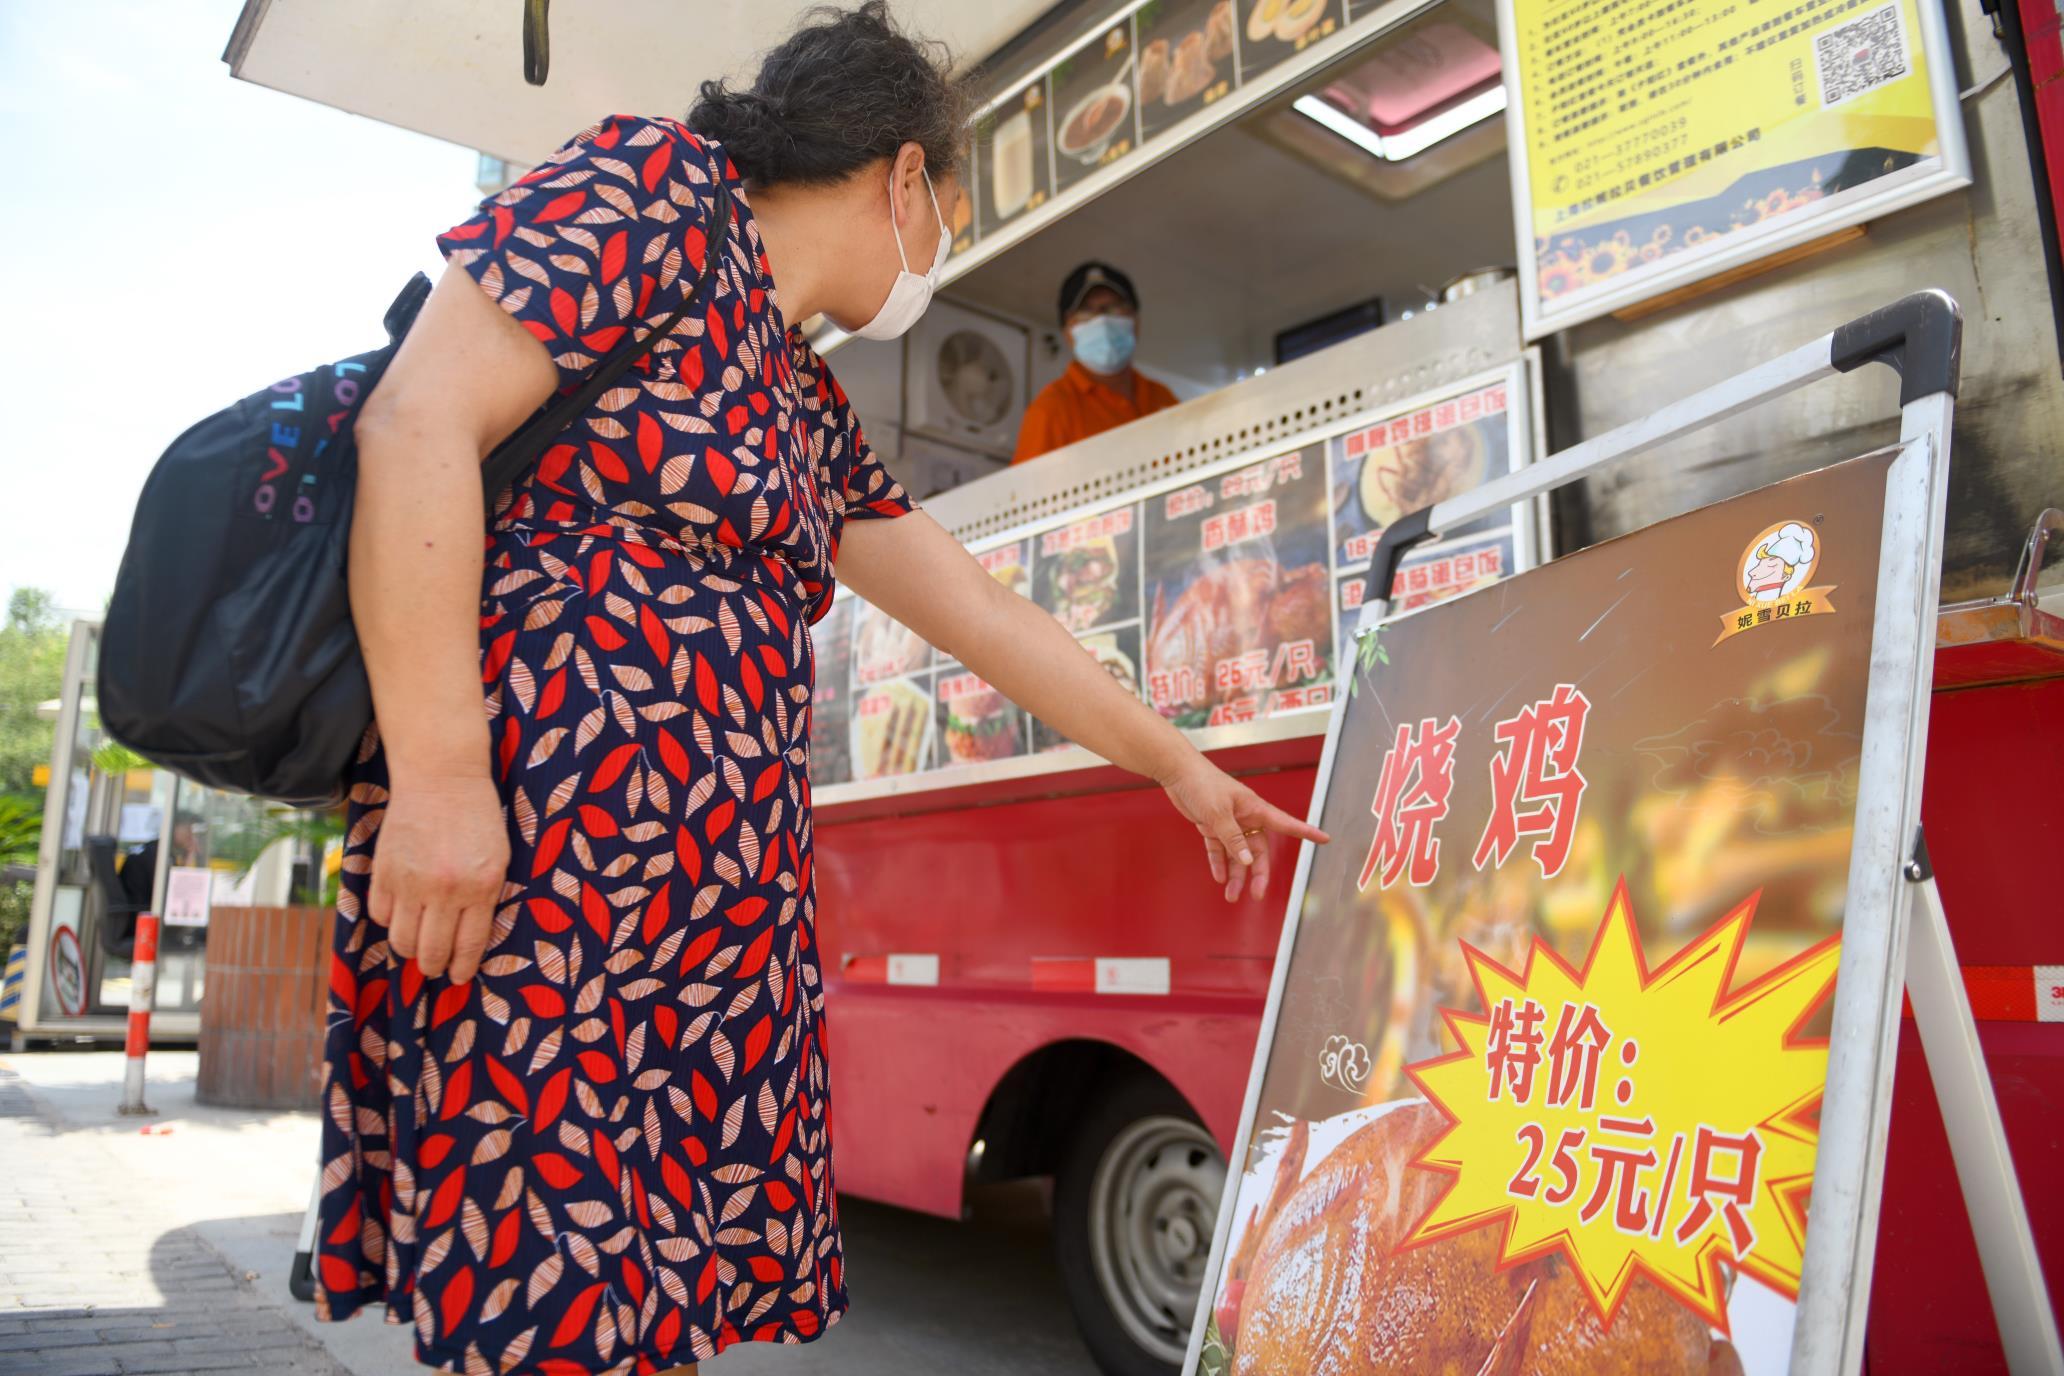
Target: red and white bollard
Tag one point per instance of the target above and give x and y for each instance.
(143, 981)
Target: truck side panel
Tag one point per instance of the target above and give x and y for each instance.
(1011, 907)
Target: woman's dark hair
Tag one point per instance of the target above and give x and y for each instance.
(846, 89)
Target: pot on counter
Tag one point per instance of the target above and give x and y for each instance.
(1475, 280)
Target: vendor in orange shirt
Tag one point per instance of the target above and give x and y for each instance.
(1101, 389)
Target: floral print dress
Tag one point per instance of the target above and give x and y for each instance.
(610, 1150)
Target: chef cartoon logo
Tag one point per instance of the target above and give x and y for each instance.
(1771, 579)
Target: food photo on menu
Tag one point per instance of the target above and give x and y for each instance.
(1011, 150)
(1010, 565)
(1320, 1277)
(831, 692)
(883, 647)
(1185, 59)
(892, 729)
(1239, 595)
(1093, 110)
(1272, 31)
(1405, 463)
(1088, 570)
(976, 723)
(890, 717)
(1117, 653)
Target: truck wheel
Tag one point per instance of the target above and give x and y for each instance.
(1134, 1209)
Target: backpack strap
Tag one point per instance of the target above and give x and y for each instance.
(522, 449)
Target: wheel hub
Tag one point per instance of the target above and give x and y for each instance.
(1153, 1205)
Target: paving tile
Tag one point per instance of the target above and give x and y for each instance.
(100, 1282)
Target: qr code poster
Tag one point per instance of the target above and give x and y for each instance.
(1701, 135)
(1859, 57)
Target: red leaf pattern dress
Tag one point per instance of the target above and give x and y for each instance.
(610, 1151)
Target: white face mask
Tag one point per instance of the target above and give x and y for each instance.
(910, 293)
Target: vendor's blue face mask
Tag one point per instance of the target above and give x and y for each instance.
(1104, 344)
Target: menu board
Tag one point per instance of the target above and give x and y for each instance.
(1094, 114)
(1185, 59)
(1238, 586)
(1219, 598)
(1658, 144)
(1548, 1036)
(1014, 158)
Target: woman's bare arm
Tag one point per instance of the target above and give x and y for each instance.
(916, 572)
(464, 379)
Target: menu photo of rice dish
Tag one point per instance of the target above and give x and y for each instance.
(1431, 573)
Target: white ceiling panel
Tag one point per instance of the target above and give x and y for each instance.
(454, 68)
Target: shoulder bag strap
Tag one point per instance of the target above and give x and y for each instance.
(521, 450)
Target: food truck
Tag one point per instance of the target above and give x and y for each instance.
(1386, 252)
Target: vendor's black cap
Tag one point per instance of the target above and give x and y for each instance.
(1088, 278)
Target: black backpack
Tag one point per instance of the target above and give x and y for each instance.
(227, 654)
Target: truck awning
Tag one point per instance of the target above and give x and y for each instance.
(454, 69)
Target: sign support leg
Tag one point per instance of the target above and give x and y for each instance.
(1977, 1138)
(301, 1280)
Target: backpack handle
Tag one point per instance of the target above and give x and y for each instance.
(516, 454)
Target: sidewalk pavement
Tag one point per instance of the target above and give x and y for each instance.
(125, 1252)
(112, 1262)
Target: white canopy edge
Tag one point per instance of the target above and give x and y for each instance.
(453, 69)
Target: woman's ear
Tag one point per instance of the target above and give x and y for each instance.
(908, 178)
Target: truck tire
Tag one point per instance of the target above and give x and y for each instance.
(1134, 1208)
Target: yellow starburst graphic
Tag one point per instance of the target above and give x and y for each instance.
(1637, 1122)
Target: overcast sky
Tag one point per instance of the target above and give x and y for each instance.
(172, 239)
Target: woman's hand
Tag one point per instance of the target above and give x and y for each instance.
(438, 871)
(1234, 822)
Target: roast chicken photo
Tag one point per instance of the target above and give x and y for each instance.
(1237, 606)
(1318, 1286)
